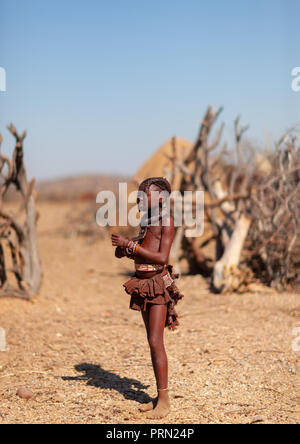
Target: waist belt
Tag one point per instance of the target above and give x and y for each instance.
(149, 267)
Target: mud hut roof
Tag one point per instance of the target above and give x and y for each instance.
(159, 163)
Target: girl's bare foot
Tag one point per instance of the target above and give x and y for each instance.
(149, 406)
(161, 409)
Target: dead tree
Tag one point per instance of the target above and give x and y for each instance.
(254, 212)
(227, 275)
(274, 238)
(18, 241)
(226, 209)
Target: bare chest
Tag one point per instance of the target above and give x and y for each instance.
(153, 238)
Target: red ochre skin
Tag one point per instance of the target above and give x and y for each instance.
(155, 249)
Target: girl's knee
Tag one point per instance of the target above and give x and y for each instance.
(155, 342)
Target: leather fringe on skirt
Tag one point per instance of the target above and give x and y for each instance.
(159, 290)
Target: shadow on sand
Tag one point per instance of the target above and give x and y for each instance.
(96, 376)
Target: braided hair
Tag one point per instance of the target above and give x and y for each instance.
(160, 182)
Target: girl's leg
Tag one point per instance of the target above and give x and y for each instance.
(155, 318)
(149, 405)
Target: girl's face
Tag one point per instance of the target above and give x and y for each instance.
(153, 197)
(142, 199)
(149, 200)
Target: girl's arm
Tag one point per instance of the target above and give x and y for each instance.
(157, 257)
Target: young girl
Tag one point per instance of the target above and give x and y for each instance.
(152, 288)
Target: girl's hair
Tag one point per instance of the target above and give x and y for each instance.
(160, 182)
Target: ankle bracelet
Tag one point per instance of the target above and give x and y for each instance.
(162, 390)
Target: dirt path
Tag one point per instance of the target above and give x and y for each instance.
(84, 355)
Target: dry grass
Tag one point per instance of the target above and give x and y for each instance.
(84, 354)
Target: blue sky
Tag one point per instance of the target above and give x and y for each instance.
(101, 84)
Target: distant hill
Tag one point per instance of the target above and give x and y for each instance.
(87, 186)
(82, 187)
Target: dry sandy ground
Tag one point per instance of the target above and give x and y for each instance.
(84, 354)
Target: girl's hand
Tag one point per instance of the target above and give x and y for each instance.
(119, 253)
(119, 241)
